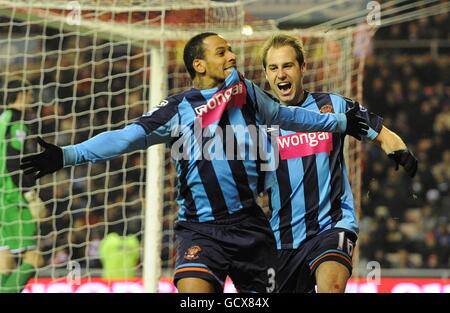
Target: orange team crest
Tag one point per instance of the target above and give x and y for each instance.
(327, 108)
(192, 253)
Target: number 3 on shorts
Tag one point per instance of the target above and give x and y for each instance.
(270, 280)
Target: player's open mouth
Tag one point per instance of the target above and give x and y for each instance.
(284, 87)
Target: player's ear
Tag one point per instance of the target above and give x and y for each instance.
(303, 68)
(199, 66)
(265, 72)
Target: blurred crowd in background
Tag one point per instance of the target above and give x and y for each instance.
(406, 223)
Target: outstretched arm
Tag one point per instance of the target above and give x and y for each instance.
(152, 128)
(107, 145)
(396, 149)
(104, 146)
(303, 120)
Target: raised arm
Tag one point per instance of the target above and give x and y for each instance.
(17, 132)
(303, 120)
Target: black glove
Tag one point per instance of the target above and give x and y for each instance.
(48, 161)
(406, 159)
(356, 125)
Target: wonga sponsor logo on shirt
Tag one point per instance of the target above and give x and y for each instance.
(303, 144)
(231, 97)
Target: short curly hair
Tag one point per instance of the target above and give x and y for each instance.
(194, 50)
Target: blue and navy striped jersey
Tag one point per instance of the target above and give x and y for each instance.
(195, 121)
(312, 192)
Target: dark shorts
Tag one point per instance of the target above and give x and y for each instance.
(242, 247)
(296, 267)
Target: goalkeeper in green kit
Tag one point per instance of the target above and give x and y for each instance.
(19, 204)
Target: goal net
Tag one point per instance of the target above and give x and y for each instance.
(96, 65)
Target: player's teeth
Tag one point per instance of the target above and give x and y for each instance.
(284, 85)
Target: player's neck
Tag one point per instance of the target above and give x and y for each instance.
(18, 105)
(297, 101)
(201, 82)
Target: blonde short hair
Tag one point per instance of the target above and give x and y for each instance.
(281, 40)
